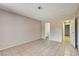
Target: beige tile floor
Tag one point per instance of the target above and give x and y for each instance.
(41, 48)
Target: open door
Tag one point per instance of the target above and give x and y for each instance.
(76, 33)
(47, 30)
(72, 25)
(72, 32)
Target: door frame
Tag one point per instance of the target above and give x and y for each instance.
(63, 27)
(76, 32)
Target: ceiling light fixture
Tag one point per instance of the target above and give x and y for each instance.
(39, 7)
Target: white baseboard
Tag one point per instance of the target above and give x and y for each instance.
(14, 45)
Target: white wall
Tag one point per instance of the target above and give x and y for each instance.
(16, 30)
(55, 30)
(43, 30)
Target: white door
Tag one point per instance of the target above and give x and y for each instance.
(72, 32)
(47, 29)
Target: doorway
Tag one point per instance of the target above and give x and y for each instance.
(47, 30)
(70, 32)
(66, 31)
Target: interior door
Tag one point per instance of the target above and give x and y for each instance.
(76, 33)
(72, 32)
(47, 30)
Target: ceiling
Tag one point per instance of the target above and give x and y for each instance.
(48, 11)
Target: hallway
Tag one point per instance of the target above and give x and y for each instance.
(68, 48)
(41, 48)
